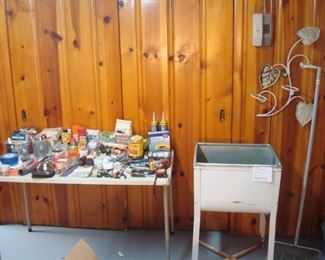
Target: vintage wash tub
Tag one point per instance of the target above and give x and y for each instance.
(236, 178)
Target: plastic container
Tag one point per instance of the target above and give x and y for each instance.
(163, 123)
(4, 170)
(154, 123)
(41, 148)
(10, 159)
(22, 148)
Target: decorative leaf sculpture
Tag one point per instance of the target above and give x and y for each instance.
(304, 113)
(308, 35)
(268, 76)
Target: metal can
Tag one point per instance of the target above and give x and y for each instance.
(66, 136)
(135, 146)
(82, 138)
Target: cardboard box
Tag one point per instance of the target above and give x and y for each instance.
(81, 251)
(123, 131)
(159, 141)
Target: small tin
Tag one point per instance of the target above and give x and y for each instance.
(135, 146)
(66, 136)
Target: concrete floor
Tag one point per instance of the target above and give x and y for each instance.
(53, 243)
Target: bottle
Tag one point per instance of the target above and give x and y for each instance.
(82, 138)
(75, 136)
(154, 123)
(163, 123)
(66, 136)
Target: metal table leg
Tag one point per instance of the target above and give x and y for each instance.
(171, 209)
(196, 231)
(166, 216)
(270, 249)
(27, 206)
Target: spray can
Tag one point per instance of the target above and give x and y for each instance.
(163, 123)
(66, 136)
(154, 123)
(82, 138)
(75, 137)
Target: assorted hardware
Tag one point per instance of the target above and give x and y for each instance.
(82, 152)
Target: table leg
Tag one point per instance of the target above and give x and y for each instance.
(270, 250)
(171, 209)
(196, 231)
(166, 216)
(27, 206)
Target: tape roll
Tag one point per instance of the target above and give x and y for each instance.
(10, 159)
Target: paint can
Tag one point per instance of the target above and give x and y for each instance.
(66, 136)
(135, 146)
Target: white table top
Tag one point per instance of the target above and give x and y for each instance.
(57, 179)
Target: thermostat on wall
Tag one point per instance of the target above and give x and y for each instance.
(262, 29)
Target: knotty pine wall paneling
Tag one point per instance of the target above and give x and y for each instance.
(216, 65)
(153, 68)
(44, 197)
(90, 62)
(80, 91)
(314, 211)
(108, 62)
(91, 96)
(287, 137)
(9, 194)
(8, 120)
(185, 104)
(248, 62)
(47, 42)
(148, 34)
(114, 199)
(131, 92)
(27, 88)
(25, 63)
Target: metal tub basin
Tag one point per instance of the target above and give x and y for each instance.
(236, 177)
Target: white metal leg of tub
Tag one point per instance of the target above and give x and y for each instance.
(196, 231)
(270, 249)
(262, 226)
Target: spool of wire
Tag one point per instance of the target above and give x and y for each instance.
(10, 159)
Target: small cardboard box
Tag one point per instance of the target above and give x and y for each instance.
(123, 131)
(81, 251)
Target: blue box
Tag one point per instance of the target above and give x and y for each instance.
(159, 141)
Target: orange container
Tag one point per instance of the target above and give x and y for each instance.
(75, 135)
